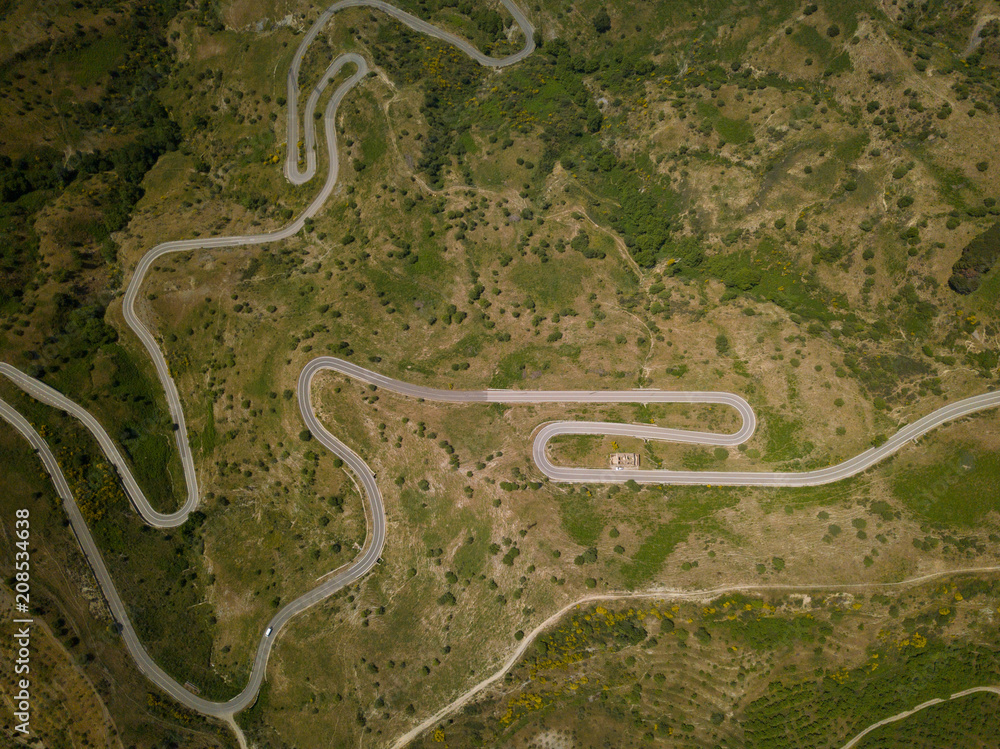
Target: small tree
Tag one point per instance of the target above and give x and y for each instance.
(602, 21)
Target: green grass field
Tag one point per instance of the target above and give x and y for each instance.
(960, 490)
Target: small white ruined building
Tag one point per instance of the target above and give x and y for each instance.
(624, 460)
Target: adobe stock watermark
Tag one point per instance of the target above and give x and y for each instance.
(22, 624)
(937, 490)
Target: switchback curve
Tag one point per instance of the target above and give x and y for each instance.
(375, 539)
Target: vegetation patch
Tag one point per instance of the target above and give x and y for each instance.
(978, 257)
(653, 552)
(960, 488)
(581, 519)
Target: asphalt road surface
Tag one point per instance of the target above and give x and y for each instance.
(376, 536)
(563, 474)
(292, 171)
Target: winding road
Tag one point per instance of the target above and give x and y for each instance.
(376, 538)
(375, 511)
(564, 474)
(922, 706)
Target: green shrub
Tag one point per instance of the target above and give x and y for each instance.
(602, 22)
(581, 243)
(977, 258)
